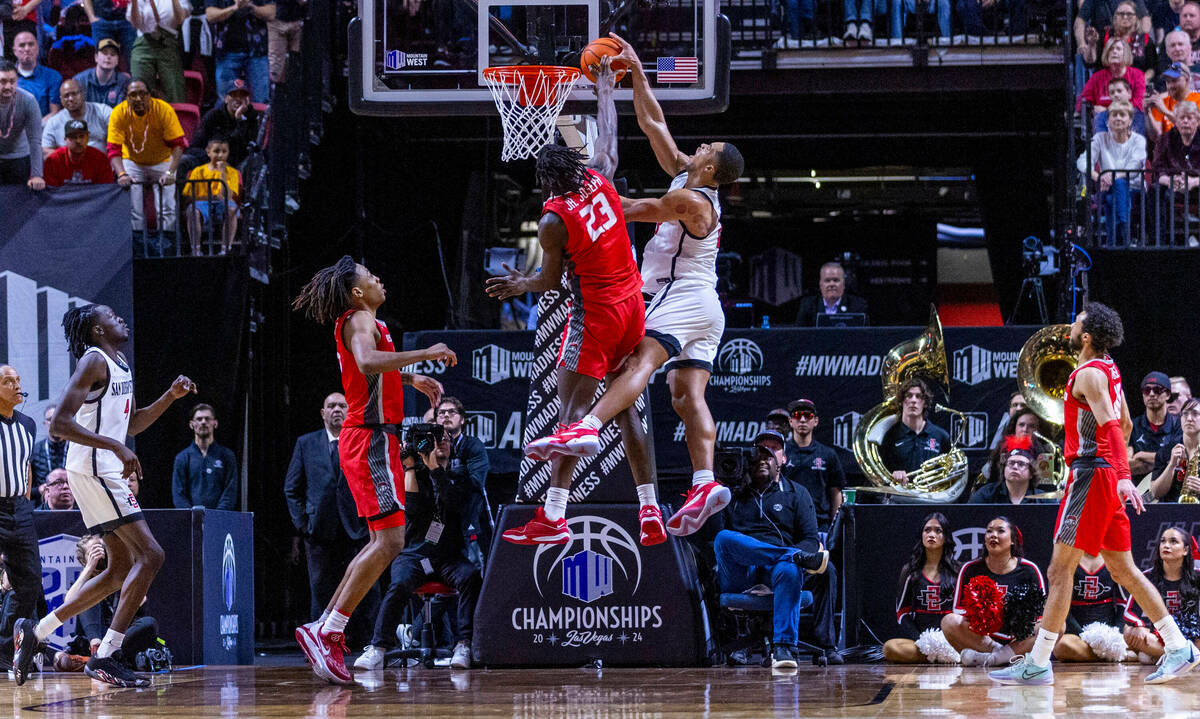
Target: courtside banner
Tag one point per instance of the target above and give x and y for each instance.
(59, 248)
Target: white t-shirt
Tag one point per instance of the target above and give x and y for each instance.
(1108, 154)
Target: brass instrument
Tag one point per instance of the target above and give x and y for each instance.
(939, 479)
(1185, 496)
(1043, 368)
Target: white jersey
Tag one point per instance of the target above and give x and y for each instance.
(676, 254)
(105, 412)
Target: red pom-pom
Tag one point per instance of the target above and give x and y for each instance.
(1013, 443)
(984, 604)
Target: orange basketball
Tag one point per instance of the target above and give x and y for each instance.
(596, 50)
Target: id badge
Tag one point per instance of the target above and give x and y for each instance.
(427, 566)
(435, 532)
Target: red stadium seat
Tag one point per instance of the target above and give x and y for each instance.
(259, 106)
(194, 87)
(189, 118)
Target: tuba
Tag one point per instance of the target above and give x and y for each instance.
(1043, 368)
(940, 479)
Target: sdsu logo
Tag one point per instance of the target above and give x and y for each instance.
(974, 364)
(930, 598)
(738, 363)
(1090, 587)
(588, 573)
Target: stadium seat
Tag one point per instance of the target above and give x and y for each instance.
(189, 118)
(194, 87)
(751, 621)
(260, 106)
(427, 652)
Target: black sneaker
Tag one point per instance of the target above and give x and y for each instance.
(25, 646)
(112, 670)
(783, 657)
(833, 657)
(812, 562)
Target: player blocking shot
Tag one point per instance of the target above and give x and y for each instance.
(684, 320)
(96, 414)
(582, 228)
(1091, 517)
(348, 296)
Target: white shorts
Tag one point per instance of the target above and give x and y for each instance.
(687, 319)
(105, 501)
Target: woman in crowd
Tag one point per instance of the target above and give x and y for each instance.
(1118, 158)
(1174, 575)
(1093, 632)
(1018, 476)
(1117, 60)
(1004, 564)
(925, 595)
(1125, 26)
(1021, 423)
(1170, 464)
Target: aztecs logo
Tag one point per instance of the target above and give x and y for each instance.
(930, 598)
(1090, 588)
(1173, 600)
(818, 463)
(933, 445)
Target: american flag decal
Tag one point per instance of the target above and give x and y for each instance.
(678, 69)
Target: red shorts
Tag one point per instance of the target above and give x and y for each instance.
(599, 337)
(371, 462)
(1091, 516)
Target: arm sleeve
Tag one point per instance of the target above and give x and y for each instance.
(55, 83)
(1111, 447)
(295, 489)
(229, 495)
(180, 494)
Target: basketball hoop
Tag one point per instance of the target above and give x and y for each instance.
(529, 98)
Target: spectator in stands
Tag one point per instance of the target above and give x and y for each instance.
(206, 474)
(811, 464)
(1177, 48)
(914, 438)
(833, 298)
(1164, 17)
(1181, 392)
(24, 19)
(1178, 78)
(157, 52)
(1016, 403)
(1155, 427)
(982, 17)
(241, 42)
(105, 83)
(768, 534)
(93, 115)
(35, 78)
(145, 131)
(235, 119)
(20, 158)
(468, 460)
(77, 162)
(1171, 460)
(1092, 21)
(1118, 158)
(56, 492)
(860, 15)
(1116, 59)
(49, 453)
(1020, 476)
(283, 33)
(1119, 91)
(797, 18)
(901, 9)
(1189, 21)
(1023, 423)
(1176, 161)
(110, 28)
(212, 203)
(779, 420)
(1126, 26)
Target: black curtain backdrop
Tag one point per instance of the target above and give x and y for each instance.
(191, 320)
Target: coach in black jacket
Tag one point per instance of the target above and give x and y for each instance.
(832, 299)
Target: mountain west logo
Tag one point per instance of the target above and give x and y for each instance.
(491, 364)
(483, 426)
(229, 622)
(398, 59)
(843, 430)
(974, 427)
(588, 573)
(974, 364)
(739, 362)
(60, 569)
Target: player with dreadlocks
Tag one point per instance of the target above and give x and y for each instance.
(583, 228)
(95, 414)
(349, 296)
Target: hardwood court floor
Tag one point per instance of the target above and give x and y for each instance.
(849, 691)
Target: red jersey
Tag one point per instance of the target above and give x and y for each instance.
(599, 256)
(61, 169)
(375, 398)
(1079, 423)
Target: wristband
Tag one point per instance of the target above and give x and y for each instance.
(123, 174)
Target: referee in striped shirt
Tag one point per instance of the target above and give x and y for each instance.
(18, 541)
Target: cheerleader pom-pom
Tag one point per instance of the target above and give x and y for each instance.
(983, 603)
(1106, 641)
(932, 643)
(1189, 624)
(1022, 608)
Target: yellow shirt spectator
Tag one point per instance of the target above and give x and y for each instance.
(202, 190)
(146, 139)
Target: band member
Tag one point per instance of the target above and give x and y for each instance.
(925, 597)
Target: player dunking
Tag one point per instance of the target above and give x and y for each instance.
(684, 321)
(95, 414)
(582, 225)
(1091, 518)
(348, 295)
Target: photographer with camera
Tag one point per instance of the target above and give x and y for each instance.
(436, 533)
(768, 535)
(468, 460)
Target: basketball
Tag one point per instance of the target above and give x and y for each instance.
(595, 51)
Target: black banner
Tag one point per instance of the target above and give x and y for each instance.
(882, 537)
(755, 371)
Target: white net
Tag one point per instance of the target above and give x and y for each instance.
(529, 99)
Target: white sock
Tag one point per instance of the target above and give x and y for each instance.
(1169, 631)
(321, 619)
(1001, 656)
(1042, 647)
(646, 495)
(112, 642)
(335, 622)
(990, 645)
(702, 476)
(46, 626)
(556, 503)
(591, 422)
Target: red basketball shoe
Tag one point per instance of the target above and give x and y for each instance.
(539, 530)
(703, 501)
(328, 653)
(652, 526)
(576, 441)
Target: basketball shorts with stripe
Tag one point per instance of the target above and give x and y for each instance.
(599, 336)
(371, 462)
(105, 501)
(1092, 516)
(687, 320)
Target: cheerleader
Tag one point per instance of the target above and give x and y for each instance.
(1005, 565)
(926, 594)
(1093, 632)
(1174, 575)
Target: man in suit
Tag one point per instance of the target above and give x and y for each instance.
(833, 298)
(324, 514)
